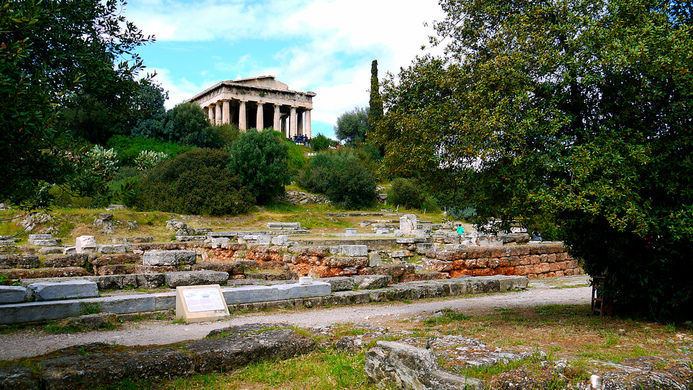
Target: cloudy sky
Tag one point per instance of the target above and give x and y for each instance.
(324, 46)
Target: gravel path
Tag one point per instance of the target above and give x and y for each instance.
(28, 343)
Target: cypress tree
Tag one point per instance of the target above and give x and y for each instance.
(375, 111)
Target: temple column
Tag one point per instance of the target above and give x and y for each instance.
(300, 123)
(241, 116)
(277, 119)
(210, 114)
(226, 112)
(259, 117)
(217, 113)
(292, 123)
(308, 126)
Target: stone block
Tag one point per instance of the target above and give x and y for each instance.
(195, 278)
(51, 250)
(339, 283)
(367, 282)
(19, 261)
(108, 282)
(408, 223)
(85, 244)
(110, 249)
(277, 292)
(223, 234)
(38, 311)
(374, 259)
(69, 250)
(344, 262)
(169, 258)
(73, 260)
(150, 280)
(48, 291)
(39, 237)
(351, 250)
(280, 240)
(50, 242)
(217, 242)
(284, 225)
(400, 254)
(190, 238)
(12, 294)
(124, 303)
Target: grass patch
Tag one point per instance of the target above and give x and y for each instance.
(320, 369)
(448, 316)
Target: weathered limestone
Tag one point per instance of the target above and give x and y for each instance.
(12, 294)
(19, 261)
(85, 244)
(407, 223)
(410, 367)
(284, 225)
(195, 278)
(351, 250)
(169, 257)
(367, 282)
(48, 291)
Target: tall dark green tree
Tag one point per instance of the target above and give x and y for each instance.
(53, 55)
(375, 106)
(578, 112)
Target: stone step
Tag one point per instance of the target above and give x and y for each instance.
(50, 291)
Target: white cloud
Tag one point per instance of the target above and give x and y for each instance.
(338, 39)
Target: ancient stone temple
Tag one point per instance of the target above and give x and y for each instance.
(258, 102)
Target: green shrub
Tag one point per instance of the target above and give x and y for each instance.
(222, 136)
(259, 158)
(320, 143)
(297, 159)
(343, 177)
(195, 182)
(148, 159)
(129, 148)
(407, 193)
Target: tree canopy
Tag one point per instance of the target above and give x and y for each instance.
(575, 112)
(54, 57)
(352, 126)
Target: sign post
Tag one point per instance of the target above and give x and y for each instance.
(200, 303)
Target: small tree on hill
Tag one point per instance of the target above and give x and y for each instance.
(352, 126)
(259, 158)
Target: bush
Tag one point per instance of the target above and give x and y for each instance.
(195, 182)
(148, 159)
(222, 136)
(320, 143)
(343, 177)
(129, 148)
(297, 159)
(407, 193)
(259, 158)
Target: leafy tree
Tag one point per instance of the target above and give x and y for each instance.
(352, 126)
(344, 177)
(407, 193)
(195, 182)
(259, 158)
(187, 124)
(51, 54)
(320, 143)
(375, 111)
(150, 115)
(579, 112)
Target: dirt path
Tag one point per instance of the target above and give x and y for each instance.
(28, 343)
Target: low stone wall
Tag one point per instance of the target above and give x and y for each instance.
(533, 261)
(414, 260)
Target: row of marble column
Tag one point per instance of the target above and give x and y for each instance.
(220, 113)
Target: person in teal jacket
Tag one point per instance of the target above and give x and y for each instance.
(460, 229)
